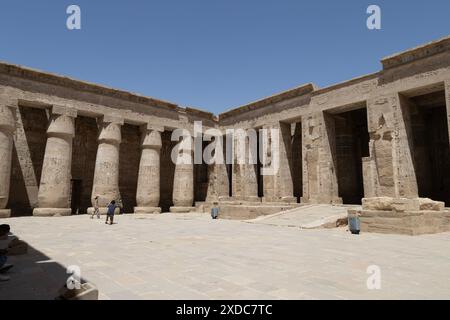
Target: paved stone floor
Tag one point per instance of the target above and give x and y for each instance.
(193, 257)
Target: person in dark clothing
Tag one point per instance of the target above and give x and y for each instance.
(110, 213)
(4, 245)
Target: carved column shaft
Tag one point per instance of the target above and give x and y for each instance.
(54, 188)
(106, 174)
(7, 126)
(183, 184)
(148, 187)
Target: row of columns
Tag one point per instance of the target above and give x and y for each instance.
(54, 189)
(389, 170)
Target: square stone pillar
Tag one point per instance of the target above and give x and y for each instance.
(389, 171)
(7, 127)
(277, 164)
(218, 184)
(54, 188)
(319, 167)
(245, 183)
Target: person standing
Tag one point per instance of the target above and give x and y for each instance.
(215, 211)
(120, 205)
(110, 213)
(96, 209)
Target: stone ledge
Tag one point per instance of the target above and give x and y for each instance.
(51, 212)
(5, 213)
(182, 209)
(409, 223)
(147, 210)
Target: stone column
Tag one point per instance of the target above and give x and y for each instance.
(148, 186)
(7, 127)
(54, 188)
(218, 184)
(106, 174)
(319, 167)
(390, 165)
(278, 183)
(183, 183)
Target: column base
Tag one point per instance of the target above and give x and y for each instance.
(5, 213)
(51, 212)
(103, 211)
(287, 200)
(252, 199)
(182, 209)
(147, 210)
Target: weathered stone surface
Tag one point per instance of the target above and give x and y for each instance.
(408, 223)
(430, 205)
(148, 190)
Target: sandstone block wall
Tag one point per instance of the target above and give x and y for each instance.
(321, 148)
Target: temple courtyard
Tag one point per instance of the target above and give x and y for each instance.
(190, 256)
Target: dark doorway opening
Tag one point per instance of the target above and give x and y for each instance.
(167, 171)
(431, 148)
(84, 153)
(297, 161)
(351, 145)
(201, 177)
(76, 189)
(259, 176)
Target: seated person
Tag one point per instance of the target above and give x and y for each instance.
(4, 245)
(15, 246)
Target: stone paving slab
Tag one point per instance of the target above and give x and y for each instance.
(193, 257)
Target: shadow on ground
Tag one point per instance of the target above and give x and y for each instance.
(34, 277)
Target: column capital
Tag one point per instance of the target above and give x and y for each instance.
(151, 139)
(62, 122)
(110, 129)
(151, 127)
(64, 111)
(112, 119)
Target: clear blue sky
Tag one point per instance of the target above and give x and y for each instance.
(214, 54)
